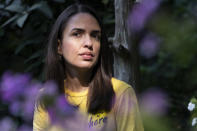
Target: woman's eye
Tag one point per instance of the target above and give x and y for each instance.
(76, 34)
(97, 37)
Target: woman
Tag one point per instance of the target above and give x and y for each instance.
(78, 60)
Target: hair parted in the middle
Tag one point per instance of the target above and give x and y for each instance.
(101, 93)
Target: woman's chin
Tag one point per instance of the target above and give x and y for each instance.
(81, 66)
(86, 65)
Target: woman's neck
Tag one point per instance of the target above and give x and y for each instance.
(77, 80)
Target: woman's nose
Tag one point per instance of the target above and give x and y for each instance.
(88, 41)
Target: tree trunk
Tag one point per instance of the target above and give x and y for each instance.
(126, 60)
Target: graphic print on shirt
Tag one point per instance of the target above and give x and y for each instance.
(97, 120)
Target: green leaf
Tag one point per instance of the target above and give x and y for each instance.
(108, 19)
(1, 32)
(35, 55)
(194, 100)
(36, 64)
(1, 6)
(59, 1)
(35, 6)
(138, 0)
(10, 20)
(45, 9)
(15, 8)
(105, 1)
(21, 20)
(21, 46)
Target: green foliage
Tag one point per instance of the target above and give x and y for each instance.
(174, 68)
(192, 106)
(156, 123)
(179, 37)
(105, 1)
(27, 40)
(22, 12)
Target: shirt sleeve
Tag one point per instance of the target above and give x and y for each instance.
(127, 112)
(41, 119)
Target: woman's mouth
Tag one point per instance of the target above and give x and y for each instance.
(87, 55)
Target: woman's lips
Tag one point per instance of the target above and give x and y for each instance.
(87, 55)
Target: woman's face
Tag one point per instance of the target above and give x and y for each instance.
(80, 44)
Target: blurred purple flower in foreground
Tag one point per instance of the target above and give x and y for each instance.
(12, 86)
(154, 102)
(15, 108)
(67, 116)
(7, 124)
(19, 92)
(50, 89)
(149, 45)
(25, 128)
(61, 110)
(30, 94)
(141, 13)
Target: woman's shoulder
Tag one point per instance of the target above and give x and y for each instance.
(120, 87)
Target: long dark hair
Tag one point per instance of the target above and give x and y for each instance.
(101, 93)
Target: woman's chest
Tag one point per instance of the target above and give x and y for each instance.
(97, 121)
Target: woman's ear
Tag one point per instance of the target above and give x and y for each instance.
(59, 47)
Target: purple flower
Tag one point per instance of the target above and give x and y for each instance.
(63, 106)
(141, 13)
(20, 93)
(48, 94)
(25, 128)
(52, 114)
(29, 100)
(15, 108)
(70, 119)
(50, 88)
(154, 101)
(28, 110)
(12, 86)
(149, 46)
(61, 110)
(7, 124)
(32, 91)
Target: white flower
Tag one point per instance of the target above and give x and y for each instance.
(191, 106)
(194, 121)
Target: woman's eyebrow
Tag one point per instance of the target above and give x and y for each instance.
(78, 29)
(96, 31)
(83, 30)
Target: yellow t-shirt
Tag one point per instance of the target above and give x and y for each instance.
(124, 116)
